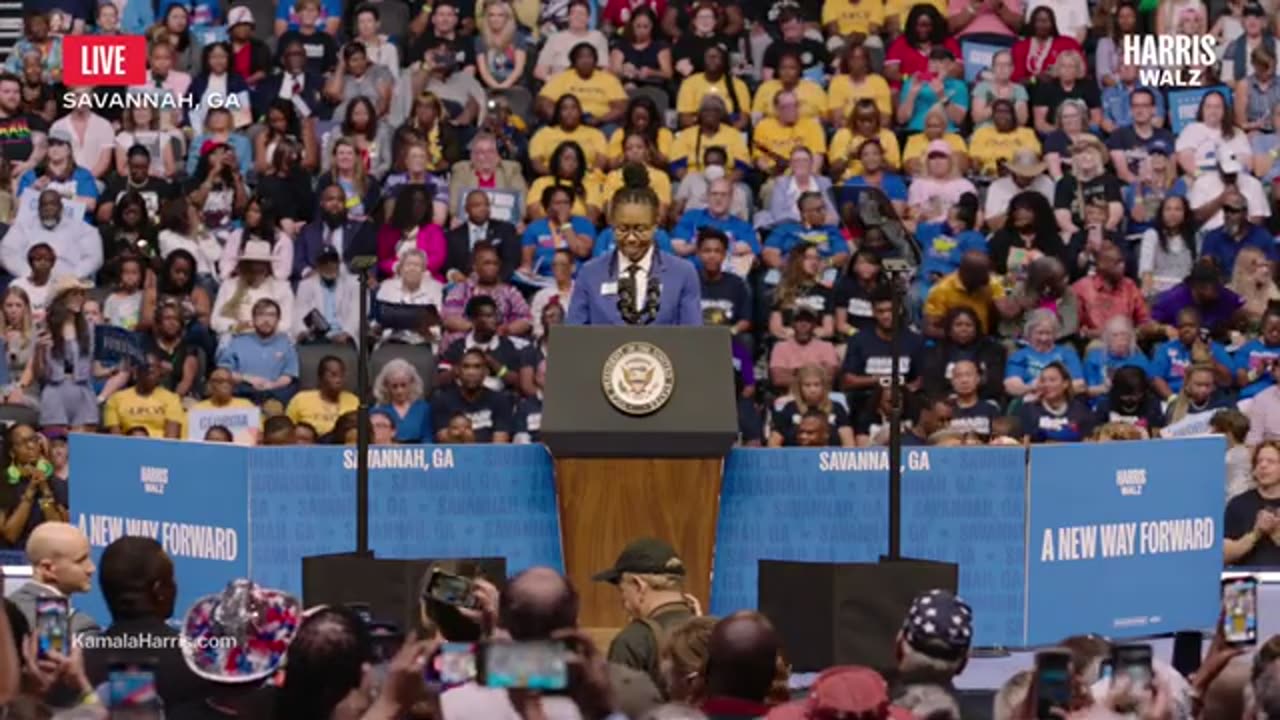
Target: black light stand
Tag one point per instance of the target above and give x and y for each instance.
(897, 270)
(362, 266)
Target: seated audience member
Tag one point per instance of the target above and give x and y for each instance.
(996, 144)
(934, 655)
(332, 228)
(726, 299)
(868, 360)
(936, 128)
(413, 286)
(1191, 346)
(237, 300)
(970, 412)
(1087, 184)
(486, 170)
(711, 130)
(862, 276)
(938, 188)
(139, 586)
(259, 222)
(263, 363)
(972, 287)
(1086, 243)
(147, 404)
(857, 85)
(1234, 426)
(1029, 232)
(1130, 401)
(1252, 280)
(800, 177)
(873, 418)
(1022, 371)
(693, 191)
(33, 494)
(1025, 171)
(933, 415)
(801, 286)
(411, 226)
(775, 138)
(220, 393)
(810, 390)
(811, 96)
(1199, 394)
(962, 339)
(1055, 414)
(560, 228)
(39, 284)
(944, 244)
(1236, 232)
(399, 392)
(321, 408)
(1167, 249)
(279, 431)
(811, 229)
(76, 246)
(604, 100)
(20, 333)
(136, 177)
(567, 124)
(502, 355)
(1227, 182)
(1255, 358)
(486, 281)
(865, 123)
(801, 349)
(1108, 294)
(919, 95)
(480, 229)
(874, 174)
(60, 174)
(60, 562)
(717, 214)
(487, 414)
(1072, 128)
(1117, 348)
(1264, 412)
(715, 80)
(1250, 519)
(327, 308)
(1203, 291)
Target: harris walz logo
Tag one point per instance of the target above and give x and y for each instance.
(1170, 61)
(638, 378)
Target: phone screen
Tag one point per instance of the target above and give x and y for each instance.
(53, 627)
(1240, 610)
(532, 665)
(451, 589)
(454, 664)
(1133, 662)
(1053, 683)
(132, 686)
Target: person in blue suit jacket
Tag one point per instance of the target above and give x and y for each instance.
(637, 284)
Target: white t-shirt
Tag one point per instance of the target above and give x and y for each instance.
(1001, 193)
(1209, 186)
(98, 135)
(1208, 144)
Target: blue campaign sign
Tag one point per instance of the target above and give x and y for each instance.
(1124, 538)
(796, 504)
(977, 57)
(464, 501)
(191, 497)
(1183, 105)
(968, 506)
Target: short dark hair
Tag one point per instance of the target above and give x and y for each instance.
(139, 151)
(277, 424)
(478, 302)
(128, 571)
(330, 359)
(808, 195)
(710, 234)
(326, 661)
(1229, 422)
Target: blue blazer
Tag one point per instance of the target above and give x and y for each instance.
(595, 294)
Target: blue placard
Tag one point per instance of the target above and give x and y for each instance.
(191, 497)
(796, 504)
(1125, 538)
(968, 506)
(113, 344)
(1183, 105)
(977, 57)
(464, 501)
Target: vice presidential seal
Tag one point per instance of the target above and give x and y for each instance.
(638, 378)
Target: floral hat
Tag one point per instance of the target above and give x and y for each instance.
(241, 634)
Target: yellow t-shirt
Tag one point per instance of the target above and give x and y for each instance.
(988, 147)
(845, 145)
(853, 17)
(659, 182)
(917, 143)
(813, 99)
(842, 94)
(691, 144)
(949, 293)
(665, 138)
(308, 407)
(902, 8)
(127, 409)
(696, 86)
(594, 94)
(591, 185)
(545, 141)
(771, 134)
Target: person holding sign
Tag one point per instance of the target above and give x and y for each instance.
(222, 404)
(147, 405)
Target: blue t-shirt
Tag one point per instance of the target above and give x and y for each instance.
(605, 242)
(827, 239)
(891, 184)
(1115, 104)
(953, 87)
(1027, 363)
(1100, 364)
(415, 426)
(736, 228)
(1154, 197)
(538, 236)
(942, 249)
(1257, 356)
(1170, 360)
(248, 354)
(80, 184)
(1219, 245)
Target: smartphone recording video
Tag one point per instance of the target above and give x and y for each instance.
(454, 664)
(1052, 683)
(451, 589)
(1133, 662)
(537, 665)
(1240, 611)
(53, 626)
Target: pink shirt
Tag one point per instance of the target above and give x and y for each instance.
(1264, 416)
(932, 198)
(430, 241)
(791, 355)
(985, 22)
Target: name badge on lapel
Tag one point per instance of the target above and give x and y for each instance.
(608, 288)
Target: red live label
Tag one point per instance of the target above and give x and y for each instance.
(104, 60)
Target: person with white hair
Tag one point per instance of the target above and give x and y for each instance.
(399, 391)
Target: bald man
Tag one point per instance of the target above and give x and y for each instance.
(60, 567)
(742, 662)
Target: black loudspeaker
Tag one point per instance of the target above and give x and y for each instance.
(845, 613)
(391, 588)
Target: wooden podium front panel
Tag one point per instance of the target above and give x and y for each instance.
(606, 503)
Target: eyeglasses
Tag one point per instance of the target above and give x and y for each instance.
(1233, 208)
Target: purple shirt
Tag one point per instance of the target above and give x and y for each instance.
(1169, 303)
(743, 363)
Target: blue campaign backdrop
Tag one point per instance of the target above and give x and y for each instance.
(191, 497)
(1124, 538)
(968, 506)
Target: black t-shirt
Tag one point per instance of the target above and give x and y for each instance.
(293, 196)
(463, 48)
(694, 49)
(528, 419)
(975, 419)
(815, 297)
(1242, 512)
(1072, 425)
(15, 135)
(154, 192)
(1065, 197)
(11, 496)
(939, 360)
(787, 420)
(1051, 95)
(1135, 148)
(813, 54)
(1147, 416)
(856, 301)
(869, 354)
(750, 426)
(489, 411)
(725, 301)
(321, 49)
(179, 355)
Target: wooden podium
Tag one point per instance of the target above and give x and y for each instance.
(629, 465)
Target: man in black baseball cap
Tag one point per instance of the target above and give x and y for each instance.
(650, 578)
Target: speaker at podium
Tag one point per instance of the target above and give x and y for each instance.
(639, 420)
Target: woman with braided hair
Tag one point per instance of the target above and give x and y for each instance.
(636, 284)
